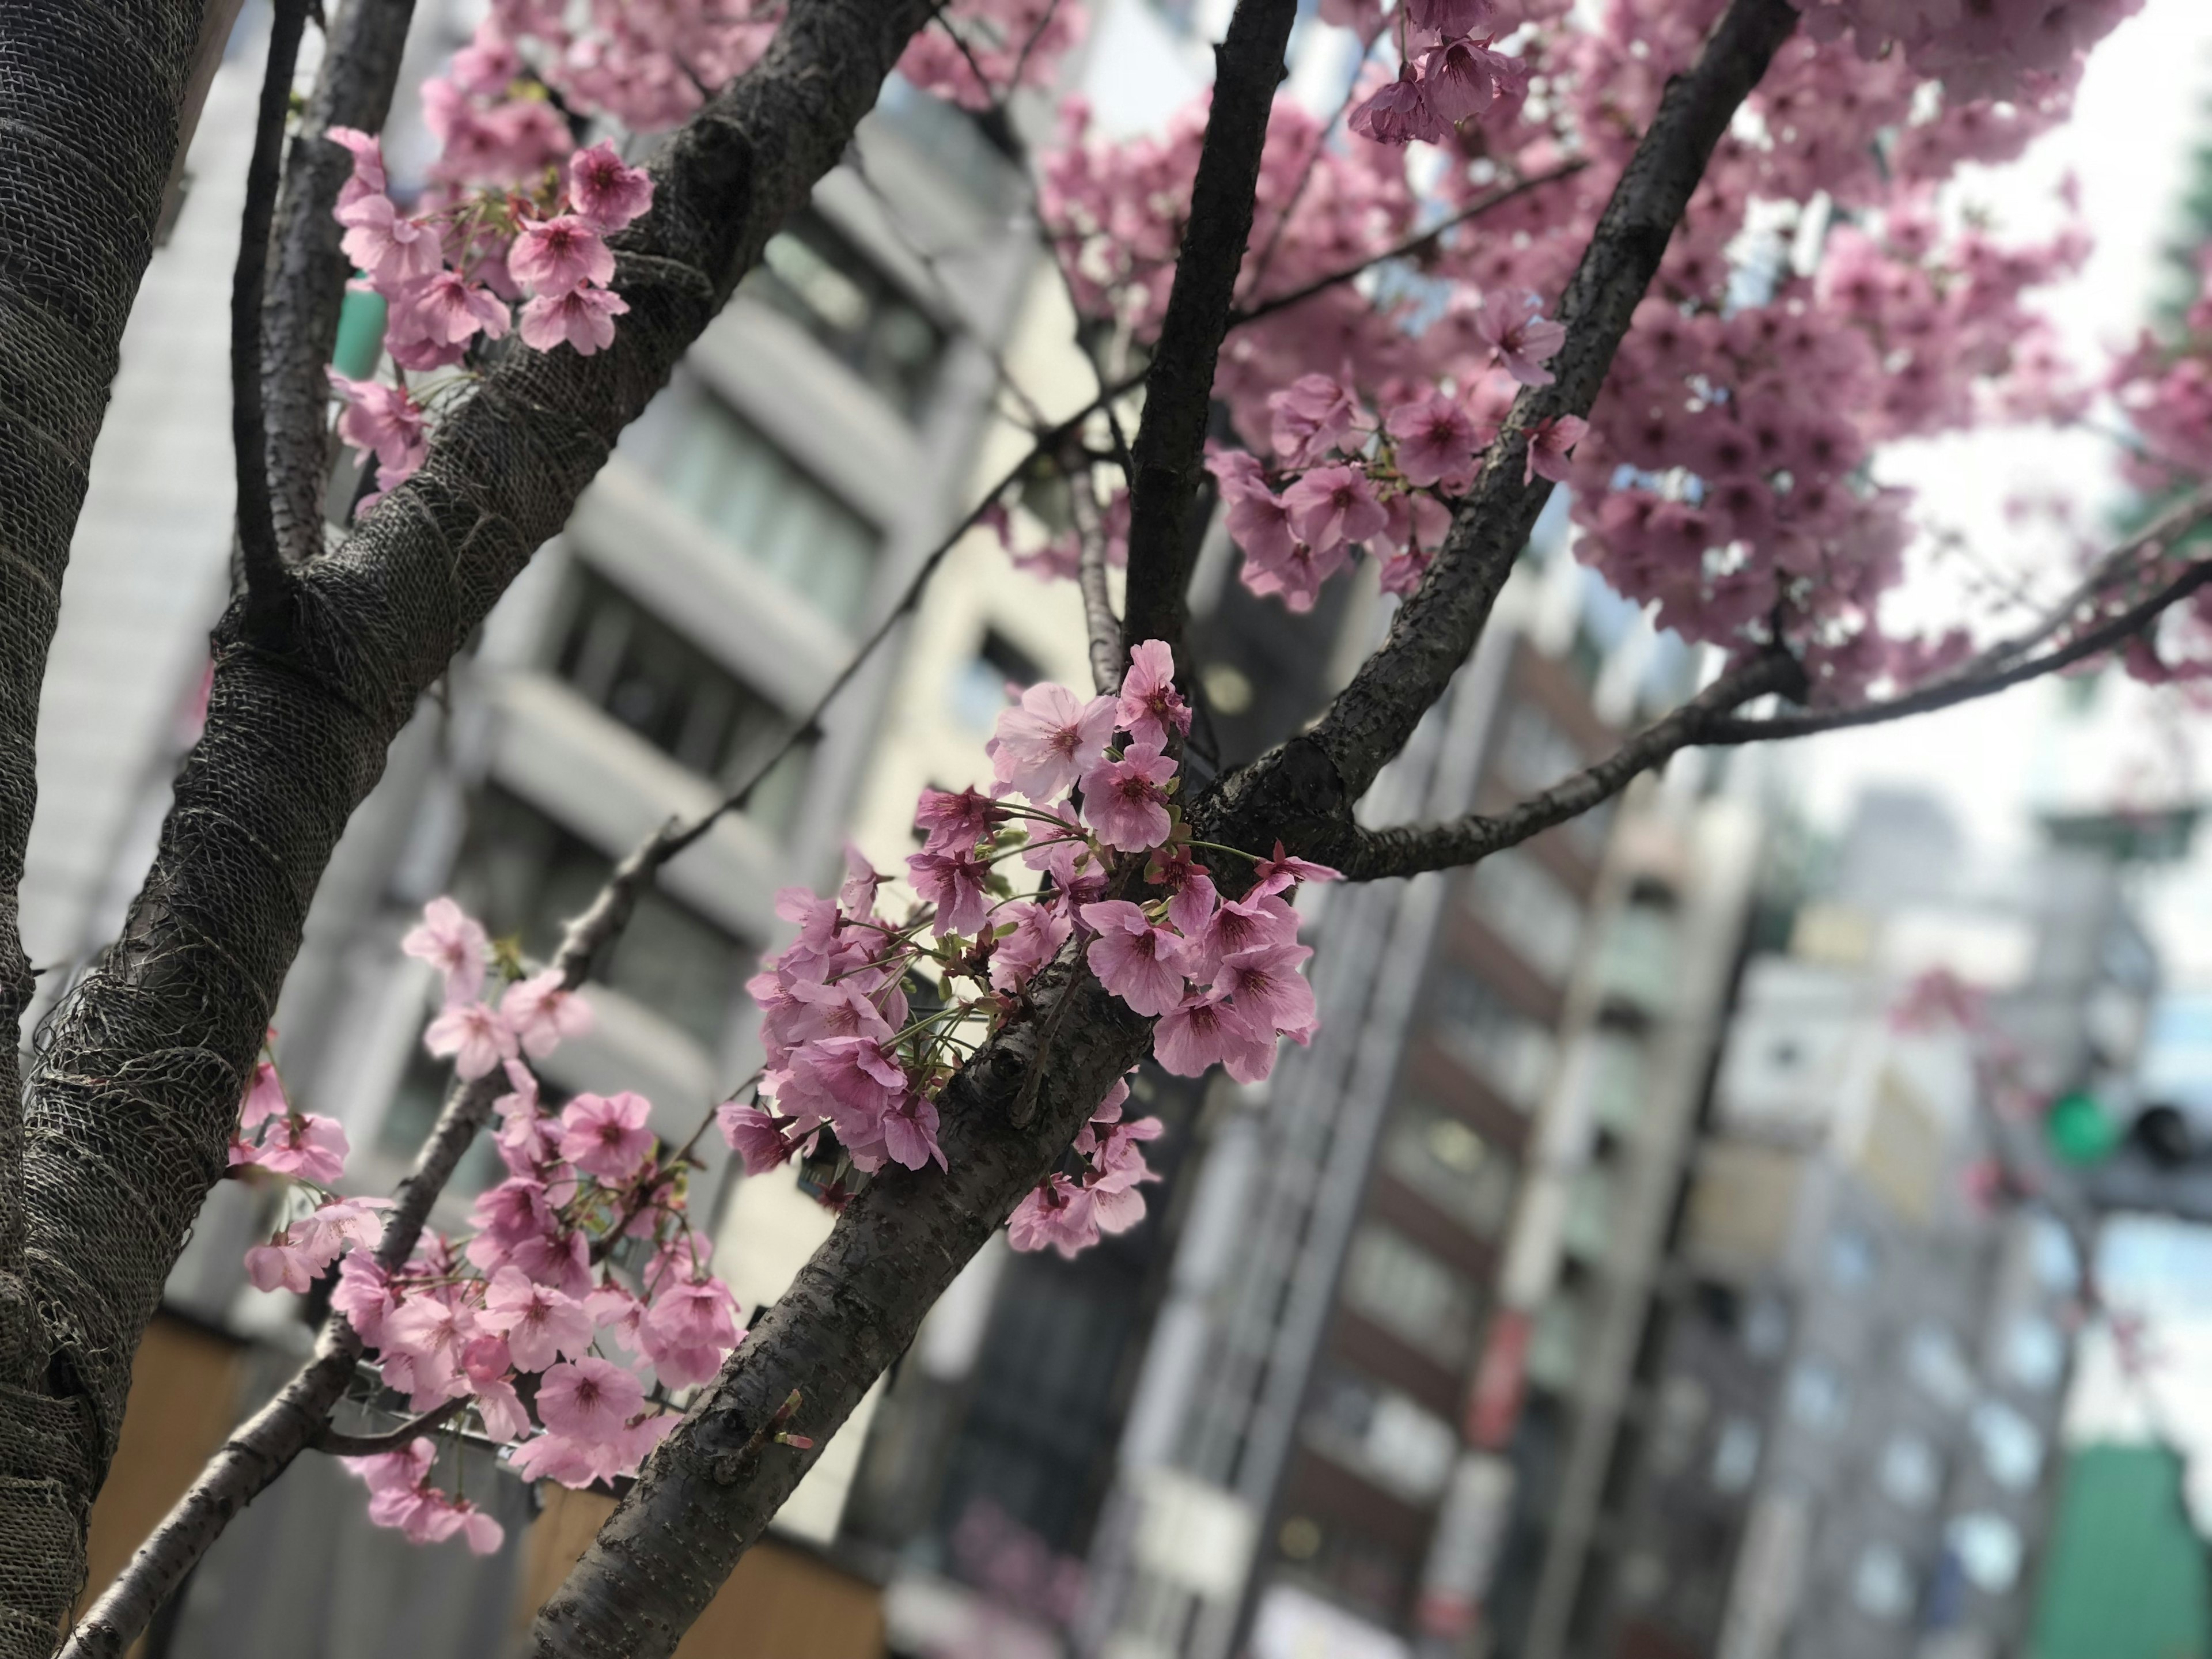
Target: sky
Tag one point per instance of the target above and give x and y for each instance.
(2142, 105)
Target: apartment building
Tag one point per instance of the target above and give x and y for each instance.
(750, 529)
(1850, 1382)
(1303, 1458)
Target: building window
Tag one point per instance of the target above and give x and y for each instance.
(1379, 1433)
(1881, 1585)
(1448, 1164)
(1909, 1472)
(1533, 753)
(1394, 1283)
(981, 686)
(627, 661)
(1816, 1396)
(525, 876)
(811, 273)
(1988, 1548)
(718, 467)
(1934, 1361)
(1735, 1455)
(2034, 1353)
(1849, 1257)
(1502, 1046)
(1529, 907)
(2012, 1451)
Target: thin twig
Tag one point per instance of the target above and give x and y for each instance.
(1101, 625)
(1410, 248)
(371, 1445)
(267, 577)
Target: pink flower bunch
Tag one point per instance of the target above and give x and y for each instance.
(400, 1496)
(1344, 479)
(866, 1016)
(1068, 1212)
(1006, 43)
(1449, 74)
(272, 1136)
(523, 227)
(531, 1305)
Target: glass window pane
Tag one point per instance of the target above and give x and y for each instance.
(813, 273)
(1437, 1154)
(1397, 1284)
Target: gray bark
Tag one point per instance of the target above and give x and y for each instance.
(90, 98)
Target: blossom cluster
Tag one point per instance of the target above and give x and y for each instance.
(1812, 304)
(1343, 478)
(579, 1301)
(455, 269)
(1450, 73)
(865, 1015)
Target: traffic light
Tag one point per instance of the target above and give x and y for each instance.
(2162, 1163)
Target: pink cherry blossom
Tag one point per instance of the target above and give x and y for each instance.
(392, 248)
(607, 194)
(583, 318)
(589, 1399)
(1333, 505)
(1282, 870)
(386, 421)
(451, 310)
(1450, 19)
(956, 821)
(1048, 740)
(1206, 1030)
(1397, 114)
(1057, 1214)
(476, 1037)
(447, 938)
(304, 1144)
(1435, 441)
(690, 1329)
(1313, 415)
(1267, 985)
(540, 1324)
(1038, 933)
(1126, 799)
(1150, 707)
(605, 1135)
(1548, 445)
(1242, 924)
(1522, 341)
(1257, 520)
(1459, 80)
(1134, 958)
(957, 883)
(553, 257)
(754, 1133)
(908, 1130)
(264, 1097)
(367, 178)
(543, 1012)
(364, 1295)
(856, 897)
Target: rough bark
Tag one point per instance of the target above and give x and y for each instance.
(91, 96)
(1170, 451)
(298, 1417)
(309, 271)
(1304, 791)
(707, 1493)
(130, 1105)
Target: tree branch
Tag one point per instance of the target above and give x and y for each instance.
(266, 574)
(701, 1500)
(307, 269)
(1412, 247)
(1407, 849)
(2114, 631)
(1170, 451)
(1304, 790)
(328, 1439)
(134, 1098)
(1103, 627)
(299, 1417)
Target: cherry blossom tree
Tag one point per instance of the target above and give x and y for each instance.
(1522, 253)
